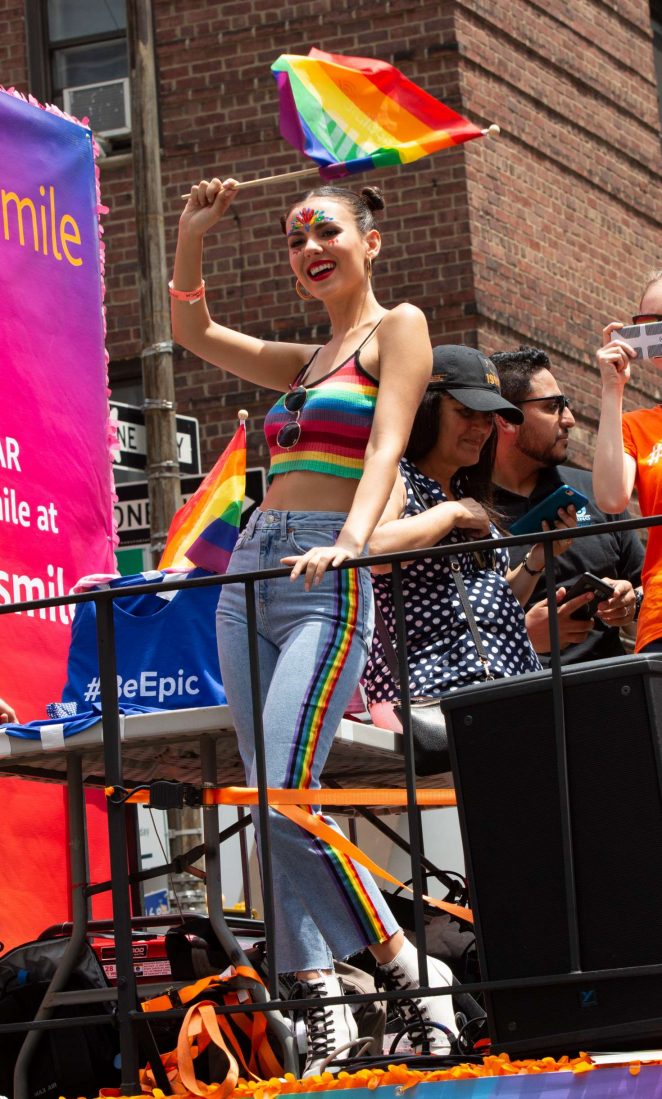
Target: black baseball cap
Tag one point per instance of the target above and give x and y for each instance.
(472, 379)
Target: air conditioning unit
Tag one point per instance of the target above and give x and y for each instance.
(107, 105)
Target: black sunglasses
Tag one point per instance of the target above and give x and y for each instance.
(558, 401)
(645, 318)
(289, 434)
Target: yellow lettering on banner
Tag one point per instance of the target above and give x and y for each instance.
(73, 238)
(50, 233)
(19, 203)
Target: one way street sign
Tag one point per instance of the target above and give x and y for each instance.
(133, 439)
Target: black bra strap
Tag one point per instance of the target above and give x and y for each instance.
(370, 333)
(304, 368)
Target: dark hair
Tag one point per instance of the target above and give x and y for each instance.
(362, 206)
(516, 369)
(474, 480)
(425, 428)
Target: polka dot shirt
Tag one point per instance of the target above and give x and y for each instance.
(441, 650)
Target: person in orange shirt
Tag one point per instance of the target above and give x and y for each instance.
(629, 453)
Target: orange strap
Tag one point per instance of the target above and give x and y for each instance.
(289, 802)
(248, 795)
(254, 1028)
(186, 994)
(148, 1080)
(314, 824)
(199, 1028)
(262, 1057)
(189, 992)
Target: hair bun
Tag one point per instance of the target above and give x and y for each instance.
(373, 198)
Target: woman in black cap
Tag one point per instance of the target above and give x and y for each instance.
(442, 496)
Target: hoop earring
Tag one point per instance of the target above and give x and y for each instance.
(304, 294)
(368, 266)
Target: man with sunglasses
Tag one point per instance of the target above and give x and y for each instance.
(528, 468)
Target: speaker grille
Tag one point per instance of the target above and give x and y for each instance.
(505, 763)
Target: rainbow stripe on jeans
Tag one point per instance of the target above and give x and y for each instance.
(310, 721)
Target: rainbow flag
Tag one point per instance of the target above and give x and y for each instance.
(203, 532)
(350, 114)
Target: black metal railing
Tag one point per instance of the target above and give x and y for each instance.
(129, 1016)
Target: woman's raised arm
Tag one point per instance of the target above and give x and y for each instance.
(266, 363)
(613, 470)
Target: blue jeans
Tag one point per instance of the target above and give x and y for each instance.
(312, 649)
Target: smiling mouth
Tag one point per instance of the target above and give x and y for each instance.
(321, 270)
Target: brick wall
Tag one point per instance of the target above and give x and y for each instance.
(540, 236)
(13, 62)
(565, 208)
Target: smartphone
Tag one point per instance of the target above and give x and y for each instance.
(546, 510)
(588, 582)
(646, 339)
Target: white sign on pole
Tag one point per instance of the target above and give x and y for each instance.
(132, 438)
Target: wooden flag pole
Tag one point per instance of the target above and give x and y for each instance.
(274, 179)
(283, 175)
(491, 131)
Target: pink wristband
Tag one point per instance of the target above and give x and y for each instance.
(191, 296)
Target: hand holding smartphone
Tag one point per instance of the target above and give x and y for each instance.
(585, 583)
(546, 511)
(646, 339)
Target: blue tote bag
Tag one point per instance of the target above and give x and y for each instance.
(165, 643)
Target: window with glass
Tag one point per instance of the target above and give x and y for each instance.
(78, 60)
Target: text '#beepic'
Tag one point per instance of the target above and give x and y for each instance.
(149, 684)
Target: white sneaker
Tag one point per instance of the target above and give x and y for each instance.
(329, 1026)
(430, 1019)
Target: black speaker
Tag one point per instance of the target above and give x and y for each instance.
(601, 905)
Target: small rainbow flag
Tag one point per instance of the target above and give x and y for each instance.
(350, 114)
(203, 532)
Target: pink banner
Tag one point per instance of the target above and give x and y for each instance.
(55, 469)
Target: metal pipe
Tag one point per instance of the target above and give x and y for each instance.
(415, 837)
(213, 858)
(558, 709)
(261, 773)
(127, 998)
(245, 869)
(434, 552)
(275, 1021)
(67, 963)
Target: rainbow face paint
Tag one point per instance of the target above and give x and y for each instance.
(305, 218)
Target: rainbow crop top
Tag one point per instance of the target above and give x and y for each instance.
(335, 420)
